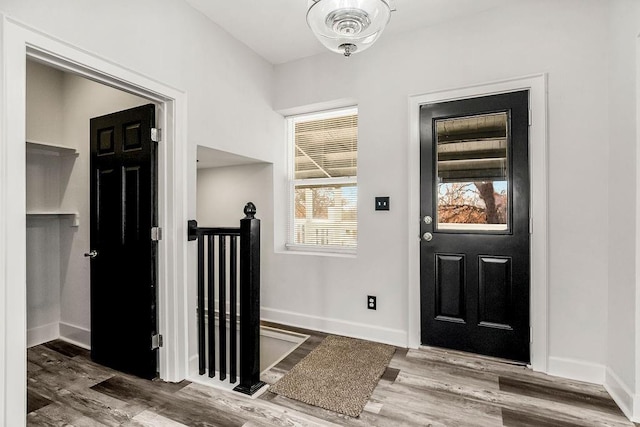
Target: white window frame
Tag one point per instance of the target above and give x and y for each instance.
(292, 182)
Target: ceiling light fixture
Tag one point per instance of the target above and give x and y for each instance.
(348, 26)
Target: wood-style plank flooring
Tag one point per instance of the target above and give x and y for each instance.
(426, 387)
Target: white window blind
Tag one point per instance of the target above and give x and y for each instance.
(324, 190)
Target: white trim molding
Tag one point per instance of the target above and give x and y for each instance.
(5, 276)
(59, 330)
(18, 43)
(575, 369)
(622, 394)
(635, 415)
(43, 334)
(75, 335)
(334, 326)
(537, 86)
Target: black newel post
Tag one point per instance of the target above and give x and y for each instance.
(249, 302)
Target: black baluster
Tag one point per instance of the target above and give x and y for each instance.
(211, 311)
(201, 306)
(233, 289)
(222, 303)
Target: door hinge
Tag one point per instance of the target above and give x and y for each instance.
(530, 334)
(156, 234)
(530, 117)
(156, 134)
(530, 225)
(156, 341)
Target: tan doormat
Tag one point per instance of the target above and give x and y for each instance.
(340, 374)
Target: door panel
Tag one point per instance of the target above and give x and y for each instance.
(123, 210)
(131, 201)
(495, 296)
(450, 294)
(474, 266)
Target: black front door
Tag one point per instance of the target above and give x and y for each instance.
(123, 266)
(474, 254)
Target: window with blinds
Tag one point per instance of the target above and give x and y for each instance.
(324, 189)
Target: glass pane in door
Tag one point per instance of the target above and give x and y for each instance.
(472, 169)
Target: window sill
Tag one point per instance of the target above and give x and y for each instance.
(321, 251)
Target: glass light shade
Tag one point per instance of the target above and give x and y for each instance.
(348, 26)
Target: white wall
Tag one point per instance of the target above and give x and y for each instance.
(43, 280)
(569, 41)
(44, 110)
(59, 107)
(223, 192)
(226, 83)
(624, 21)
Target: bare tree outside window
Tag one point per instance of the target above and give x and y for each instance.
(472, 203)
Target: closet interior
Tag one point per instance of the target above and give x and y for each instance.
(59, 106)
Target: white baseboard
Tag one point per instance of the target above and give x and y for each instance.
(59, 330)
(575, 369)
(334, 326)
(622, 394)
(193, 365)
(221, 385)
(42, 334)
(636, 409)
(75, 335)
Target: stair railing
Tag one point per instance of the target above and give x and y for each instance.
(223, 242)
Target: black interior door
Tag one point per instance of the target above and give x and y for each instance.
(474, 255)
(123, 265)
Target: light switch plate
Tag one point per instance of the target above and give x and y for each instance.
(382, 203)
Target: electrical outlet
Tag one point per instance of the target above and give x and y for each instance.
(372, 303)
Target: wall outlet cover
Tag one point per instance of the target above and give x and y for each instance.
(372, 303)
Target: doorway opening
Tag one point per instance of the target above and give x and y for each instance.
(538, 164)
(59, 105)
(20, 44)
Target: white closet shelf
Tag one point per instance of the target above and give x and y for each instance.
(50, 149)
(55, 214)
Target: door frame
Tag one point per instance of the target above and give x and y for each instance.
(20, 42)
(538, 161)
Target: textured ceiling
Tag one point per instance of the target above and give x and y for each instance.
(277, 29)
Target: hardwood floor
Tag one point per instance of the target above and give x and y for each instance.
(425, 387)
